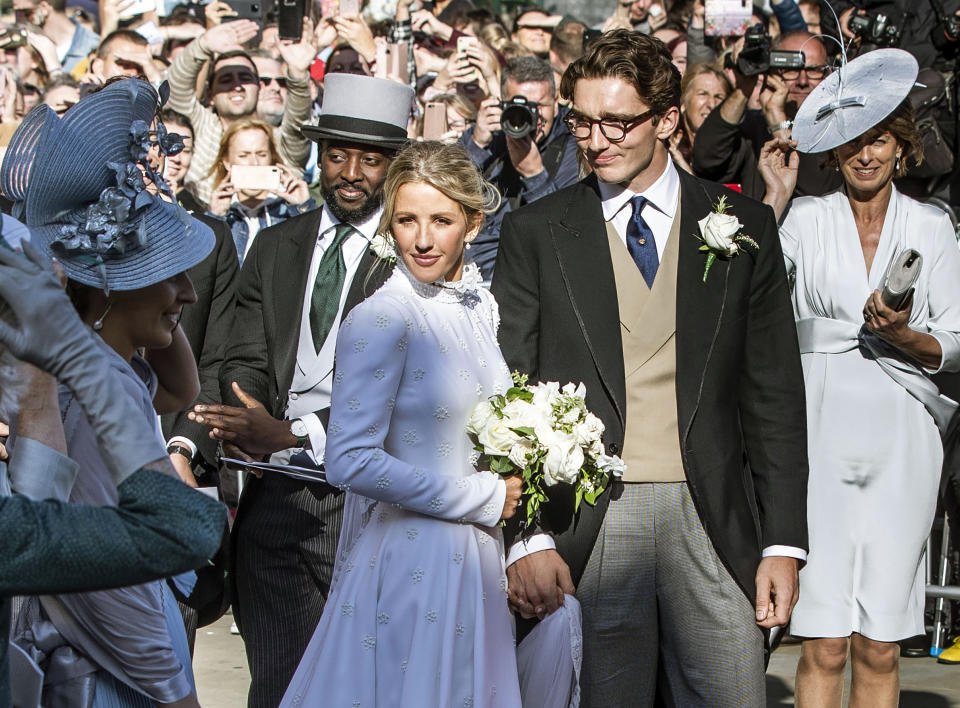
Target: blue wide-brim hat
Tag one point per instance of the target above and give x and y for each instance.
(77, 183)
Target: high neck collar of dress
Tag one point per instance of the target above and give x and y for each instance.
(464, 290)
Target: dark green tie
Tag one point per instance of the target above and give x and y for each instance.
(325, 301)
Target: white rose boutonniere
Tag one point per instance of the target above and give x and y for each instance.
(382, 247)
(721, 235)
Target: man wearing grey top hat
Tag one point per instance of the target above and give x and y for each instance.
(297, 282)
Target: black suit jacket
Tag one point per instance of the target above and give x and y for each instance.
(262, 349)
(740, 399)
(207, 326)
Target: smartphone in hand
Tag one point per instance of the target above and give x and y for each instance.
(290, 19)
(434, 120)
(256, 178)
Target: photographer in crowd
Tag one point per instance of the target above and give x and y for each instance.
(521, 145)
(728, 143)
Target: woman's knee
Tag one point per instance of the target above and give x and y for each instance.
(826, 654)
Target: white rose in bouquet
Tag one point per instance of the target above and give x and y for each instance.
(588, 430)
(563, 460)
(611, 464)
(545, 395)
(520, 451)
(579, 391)
(719, 231)
(596, 449)
(496, 437)
(520, 414)
(479, 417)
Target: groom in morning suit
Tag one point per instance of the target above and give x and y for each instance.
(298, 281)
(688, 560)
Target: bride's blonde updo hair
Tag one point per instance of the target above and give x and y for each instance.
(445, 167)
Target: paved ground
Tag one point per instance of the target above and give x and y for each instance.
(222, 678)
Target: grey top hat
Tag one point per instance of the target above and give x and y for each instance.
(78, 184)
(363, 109)
(853, 99)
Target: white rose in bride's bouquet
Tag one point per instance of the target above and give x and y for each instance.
(563, 460)
(479, 417)
(577, 391)
(496, 437)
(596, 449)
(521, 451)
(521, 414)
(611, 464)
(589, 430)
(545, 395)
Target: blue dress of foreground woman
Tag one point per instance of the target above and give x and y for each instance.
(87, 188)
(159, 526)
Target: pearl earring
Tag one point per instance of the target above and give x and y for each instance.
(898, 162)
(98, 323)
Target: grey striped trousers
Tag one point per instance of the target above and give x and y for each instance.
(285, 544)
(658, 604)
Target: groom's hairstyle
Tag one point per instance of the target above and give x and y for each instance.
(638, 59)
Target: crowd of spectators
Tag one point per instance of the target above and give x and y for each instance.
(466, 64)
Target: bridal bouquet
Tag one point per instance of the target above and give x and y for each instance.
(545, 434)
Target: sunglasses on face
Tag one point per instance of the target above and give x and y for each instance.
(281, 81)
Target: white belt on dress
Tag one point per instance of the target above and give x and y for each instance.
(823, 335)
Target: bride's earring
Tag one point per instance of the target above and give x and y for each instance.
(98, 323)
(466, 244)
(898, 163)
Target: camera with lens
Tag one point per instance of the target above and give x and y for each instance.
(519, 117)
(756, 57)
(875, 29)
(946, 35)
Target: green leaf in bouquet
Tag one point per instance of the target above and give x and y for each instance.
(525, 431)
(522, 394)
(519, 379)
(579, 498)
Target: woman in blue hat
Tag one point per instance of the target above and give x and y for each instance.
(81, 185)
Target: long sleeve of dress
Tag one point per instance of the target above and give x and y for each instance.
(943, 300)
(371, 366)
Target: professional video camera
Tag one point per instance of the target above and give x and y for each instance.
(875, 29)
(519, 118)
(946, 35)
(756, 57)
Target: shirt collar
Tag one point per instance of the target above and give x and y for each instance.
(367, 229)
(663, 194)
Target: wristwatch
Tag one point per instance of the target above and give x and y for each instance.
(178, 449)
(782, 125)
(299, 430)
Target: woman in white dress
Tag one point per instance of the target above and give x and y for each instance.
(417, 613)
(873, 413)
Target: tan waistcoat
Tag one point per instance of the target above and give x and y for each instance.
(648, 319)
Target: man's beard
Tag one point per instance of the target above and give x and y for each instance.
(356, 215)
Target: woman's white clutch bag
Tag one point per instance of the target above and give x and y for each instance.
(901, 275)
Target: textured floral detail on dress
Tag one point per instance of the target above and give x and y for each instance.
(410, 437)
(468, 702)
(348, 320)
(431, 616)
(482, 362)
(444, 348)
(383, 482)
(354, 453)
(383, 618)
(462, 483)
(334, 429)
(417, 575)
(346, 609)
(391, 402)
(373, 559)
(419, 473)
(353, 404)
(482, 538)
(403, 665)
(379, 374)
(418, 374)
(444, 449)
(464, 374)
(474, 457)
(441, 413)
(436, 504)
(338, 377)
(369, 642)
(360, 345)
(382, 321)
(412, 534)
(348, 568)
(402, 345)
(479, 391)
(458, 558)
(487, 510)
(460, 629)
(377, 454)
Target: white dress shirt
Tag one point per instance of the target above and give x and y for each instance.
(663, 198)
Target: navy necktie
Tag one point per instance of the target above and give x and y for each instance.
(641, 243)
